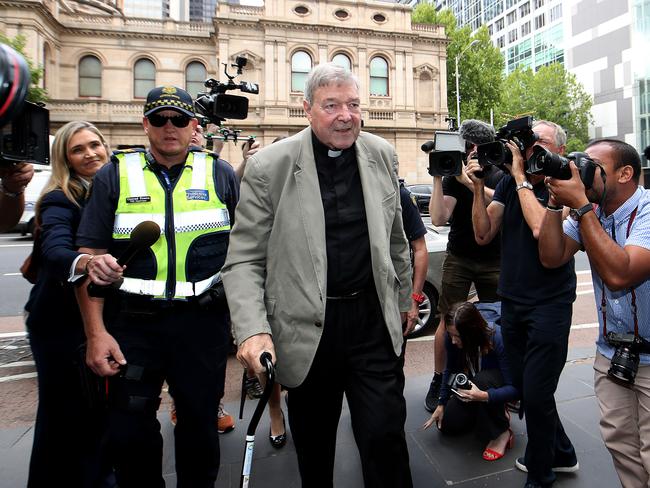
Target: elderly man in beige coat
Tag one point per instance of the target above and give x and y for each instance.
(318, 274)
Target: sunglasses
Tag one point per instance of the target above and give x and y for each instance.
(179, 121)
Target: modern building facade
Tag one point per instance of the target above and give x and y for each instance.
(603, 42)
(100, 64)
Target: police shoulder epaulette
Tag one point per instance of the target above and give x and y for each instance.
(129, 150)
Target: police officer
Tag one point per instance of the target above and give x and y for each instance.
(160, 325)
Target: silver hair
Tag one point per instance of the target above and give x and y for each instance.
(560, 134)
(326, 74)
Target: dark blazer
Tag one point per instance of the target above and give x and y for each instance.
(52, 297)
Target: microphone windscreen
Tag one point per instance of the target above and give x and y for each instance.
(144, 235)
(477, 132)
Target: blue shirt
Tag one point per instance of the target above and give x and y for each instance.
(619, 309)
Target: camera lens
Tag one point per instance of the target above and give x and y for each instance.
(624, 364)
(14, 83)
(550, 164)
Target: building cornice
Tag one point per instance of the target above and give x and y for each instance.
(426, 36)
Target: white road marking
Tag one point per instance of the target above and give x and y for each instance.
(12, 274)
(17, 377)
(18, 364)
(17, 245)
(573, 327)
(5, 335)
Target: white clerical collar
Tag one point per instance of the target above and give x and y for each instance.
(333, 154)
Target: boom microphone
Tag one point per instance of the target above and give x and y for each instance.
(143, 236)
(476, 131)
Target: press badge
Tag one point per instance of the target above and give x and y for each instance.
(197, 195)
(142, 199)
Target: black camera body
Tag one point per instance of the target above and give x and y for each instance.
(544, 162)
(459, 381)
(448, 154)
(519, 131)
(216, 105)
(625, 361)
(24, 126)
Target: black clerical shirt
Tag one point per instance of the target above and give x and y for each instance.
(349, 267)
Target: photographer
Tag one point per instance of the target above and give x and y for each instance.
(12, 193)
(616, 237)
(475, 349)
(536, 302)
(466, 262)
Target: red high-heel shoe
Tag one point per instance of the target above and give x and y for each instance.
(492, 455)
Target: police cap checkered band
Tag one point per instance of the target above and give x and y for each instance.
(169, 98)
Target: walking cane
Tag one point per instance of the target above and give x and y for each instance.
(265, 359)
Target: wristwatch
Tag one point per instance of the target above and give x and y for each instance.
(577, 213)
(524, 184)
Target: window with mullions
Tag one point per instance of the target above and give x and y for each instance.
(379, 76)
(144, 78)
(90, 77)
(300, 67)
(195, 76)
(520, 55)
(548, 46)
(343, 61)
(524, 9)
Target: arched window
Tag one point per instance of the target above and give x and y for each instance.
(195, 75)
(300, 66)
(90, 77)
(144, 77)
(379, 76)
(343, 61)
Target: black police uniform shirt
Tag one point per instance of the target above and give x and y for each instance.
(413, 225)
(461, 241)
(347, 242)
(523, 279)
(96, 228)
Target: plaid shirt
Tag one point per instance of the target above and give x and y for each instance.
(619, 308)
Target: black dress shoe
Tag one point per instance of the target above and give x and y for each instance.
(278, 441)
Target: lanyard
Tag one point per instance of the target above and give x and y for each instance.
(603, 302)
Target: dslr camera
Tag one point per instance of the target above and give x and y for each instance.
(519, 131)
(625, 361)
(544, 162)
(24, 126)
(459, 381)
(216, 105)
(447, 153)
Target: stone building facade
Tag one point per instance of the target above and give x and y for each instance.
(98, 63)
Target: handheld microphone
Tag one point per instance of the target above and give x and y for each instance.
(144, 235)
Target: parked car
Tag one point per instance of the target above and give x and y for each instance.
(436, 240)
(32, 192)
(422, 194)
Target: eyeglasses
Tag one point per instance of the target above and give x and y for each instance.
(179, 121)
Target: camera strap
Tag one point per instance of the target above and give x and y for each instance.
(603, 301)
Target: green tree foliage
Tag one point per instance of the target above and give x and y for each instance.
(551, 94)
(35, 93)
(480, 66)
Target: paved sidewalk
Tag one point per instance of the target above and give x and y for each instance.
(436, 461)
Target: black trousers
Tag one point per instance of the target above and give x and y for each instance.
(488, 419)
(355, 357)
(536, 341)
(68, 434)
(187, 347)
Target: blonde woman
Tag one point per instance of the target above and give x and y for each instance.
(53, 320)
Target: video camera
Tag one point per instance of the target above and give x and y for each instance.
(24, 126)
(447, 153)
(216, 105)
(519, 131)
(625, 361)
(544, 162)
